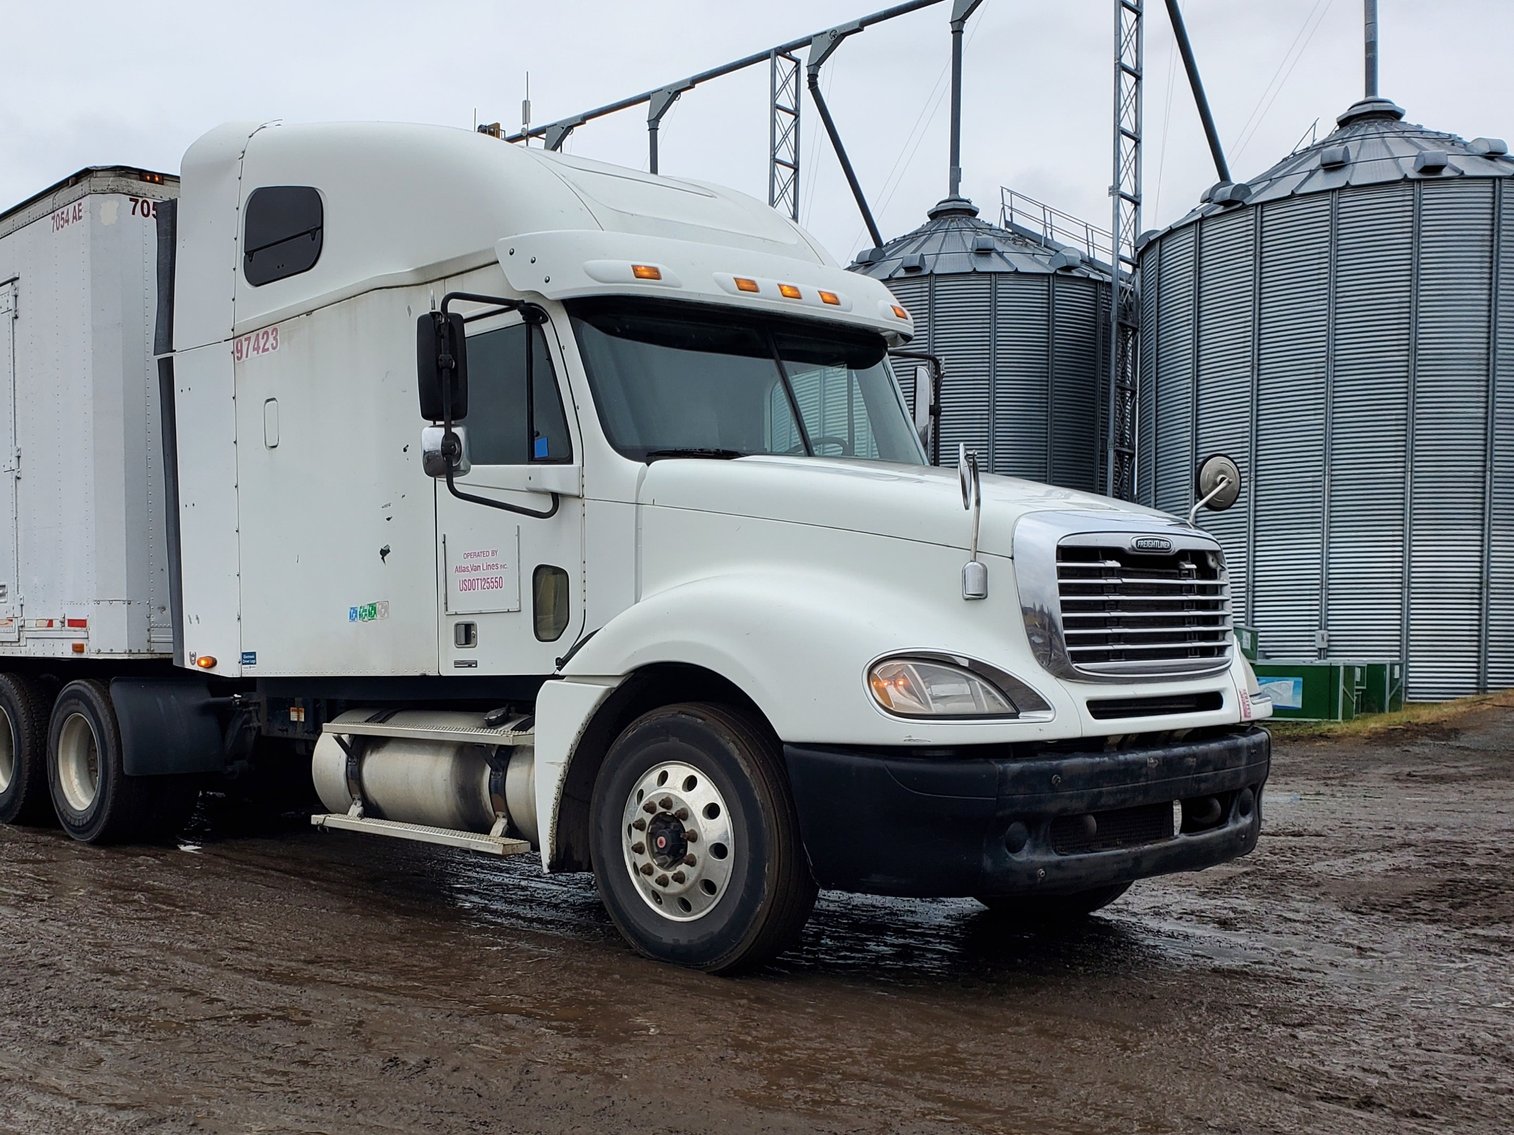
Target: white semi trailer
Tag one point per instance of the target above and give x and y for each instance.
(654, 582)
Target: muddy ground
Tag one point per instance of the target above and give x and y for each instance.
(1355, 974)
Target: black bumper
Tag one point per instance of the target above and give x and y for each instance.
(956, 824)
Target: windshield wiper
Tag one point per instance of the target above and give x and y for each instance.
(722, 454)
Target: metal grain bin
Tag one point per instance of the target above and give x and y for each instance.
(1019, 322)
(1343, 325)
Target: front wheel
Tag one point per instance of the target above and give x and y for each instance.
(696, 845)
(1052, 909)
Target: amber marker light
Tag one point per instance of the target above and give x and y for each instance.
(829, 297)
(646, 271)
(78, 648)
(788, 291)
(744, 284)
(900, 312)
(206, 662)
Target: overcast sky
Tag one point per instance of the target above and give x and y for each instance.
(93, 83)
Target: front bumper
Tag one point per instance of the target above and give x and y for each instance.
(1050, 823)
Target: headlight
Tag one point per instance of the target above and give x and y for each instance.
(916, 688)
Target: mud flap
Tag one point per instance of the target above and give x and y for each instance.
(168, 726)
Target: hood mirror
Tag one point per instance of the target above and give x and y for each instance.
(974, 572)
(1217, 485)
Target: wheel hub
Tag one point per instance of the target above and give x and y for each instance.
(78, 762)
(678, 841)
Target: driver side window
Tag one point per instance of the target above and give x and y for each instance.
(496, 422)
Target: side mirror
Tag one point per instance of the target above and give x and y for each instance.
(441, 360)
(925, 404)
(1217, 485)
(439, 446)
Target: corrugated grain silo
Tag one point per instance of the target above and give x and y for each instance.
(1020, 325)
(1343, 325)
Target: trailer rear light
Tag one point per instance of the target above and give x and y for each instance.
(78, 648)
(830, 298)
(745, 284)
(206, 662)
(646, 271)
(151, 178)
(788, 291)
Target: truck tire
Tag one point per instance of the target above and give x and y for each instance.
(95, 800)
(1052, 909)
(23, 751)
(695, 840)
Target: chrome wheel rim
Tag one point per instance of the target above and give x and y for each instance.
(678, 842)
(78, 762)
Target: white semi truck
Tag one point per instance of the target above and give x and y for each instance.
(537, 505)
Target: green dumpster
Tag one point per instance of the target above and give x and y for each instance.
(1310, 689)
(1382, 686)
(1246, 637)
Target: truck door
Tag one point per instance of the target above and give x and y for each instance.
(10, 608)
(511, 584)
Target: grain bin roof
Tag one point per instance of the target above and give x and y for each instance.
(954, 241)
(1371, 145)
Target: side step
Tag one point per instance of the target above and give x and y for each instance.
(447, 837)
(442, 728)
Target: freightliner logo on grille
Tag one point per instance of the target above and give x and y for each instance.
(1151, 544)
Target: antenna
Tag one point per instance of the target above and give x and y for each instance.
(525, 111)
(1369, 12)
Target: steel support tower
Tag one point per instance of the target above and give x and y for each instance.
(1124, 310)
(783, 134)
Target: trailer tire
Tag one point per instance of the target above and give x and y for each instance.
(710, 771)
(1053, 909)
(23, 751)
(95, 800)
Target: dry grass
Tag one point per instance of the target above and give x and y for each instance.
(1428, 716)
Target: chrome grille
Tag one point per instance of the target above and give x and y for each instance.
(1126, 613)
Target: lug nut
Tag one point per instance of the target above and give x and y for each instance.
(690, 835)
(646, 868)
(666, 803)
(662, 880)
(681, 814)
(689, 860)
(649, 807)
(640, 825)
(638, 848)
(679, 877)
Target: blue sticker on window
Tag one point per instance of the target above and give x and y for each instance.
(249, 658)
(541, 448)
(352, 614)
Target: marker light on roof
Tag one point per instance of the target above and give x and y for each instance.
(900, 312)
(646, 271)
(788, 291)
(830, 298)
(745, 284)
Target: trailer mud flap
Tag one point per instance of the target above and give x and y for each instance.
(168, 726)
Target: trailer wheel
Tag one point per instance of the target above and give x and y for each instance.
(695, 840)
(1051, 909)
(23, 751)
(95, 800)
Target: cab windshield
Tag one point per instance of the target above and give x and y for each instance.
(671, 380)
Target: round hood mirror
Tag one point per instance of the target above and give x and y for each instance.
(1218, 482)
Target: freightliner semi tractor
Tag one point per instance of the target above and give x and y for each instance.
(531, 505)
